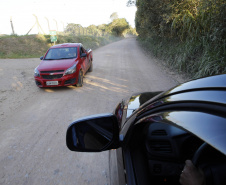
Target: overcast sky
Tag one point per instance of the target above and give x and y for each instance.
(62, 12)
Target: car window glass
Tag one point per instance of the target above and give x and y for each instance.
(198, 123)
(159, 151)
(61, 53)
(82, 50)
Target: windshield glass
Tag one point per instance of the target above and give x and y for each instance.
(61, 53)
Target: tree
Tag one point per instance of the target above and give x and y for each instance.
(131, 3)
(118, 26)
(73, 28)
(114, 16)
(103, 29)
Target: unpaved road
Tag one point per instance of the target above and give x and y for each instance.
(33, 121)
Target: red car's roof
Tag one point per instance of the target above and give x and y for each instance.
(65, 45)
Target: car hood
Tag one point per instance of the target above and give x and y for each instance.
(56, 64)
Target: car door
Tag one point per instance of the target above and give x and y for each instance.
(85, 60)
(172, 129)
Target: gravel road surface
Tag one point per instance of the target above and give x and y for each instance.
(33, 121)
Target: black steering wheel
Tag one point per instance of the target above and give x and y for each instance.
(215, 173)
(198, 154)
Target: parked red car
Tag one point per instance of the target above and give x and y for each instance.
(64, 65)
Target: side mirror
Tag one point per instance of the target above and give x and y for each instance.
(93, 134)
(41, 57)
(83, 55)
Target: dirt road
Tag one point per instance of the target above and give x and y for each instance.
(33, 121)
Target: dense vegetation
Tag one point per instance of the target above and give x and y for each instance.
(119, 27)
(189, 35)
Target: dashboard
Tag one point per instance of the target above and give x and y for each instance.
(167, 149)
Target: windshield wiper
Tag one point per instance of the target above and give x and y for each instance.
(72, 57)
(65, 58)
(59, 58)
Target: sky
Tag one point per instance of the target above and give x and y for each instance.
(59, 13)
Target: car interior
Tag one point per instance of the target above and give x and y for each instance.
(159, 151)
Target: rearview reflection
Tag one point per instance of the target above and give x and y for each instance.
(92, 134)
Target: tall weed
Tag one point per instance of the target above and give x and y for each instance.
(196, 59)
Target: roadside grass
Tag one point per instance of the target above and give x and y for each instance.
(35, 46)
(28, 46)
(194, 58)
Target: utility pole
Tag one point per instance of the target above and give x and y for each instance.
(12, 25)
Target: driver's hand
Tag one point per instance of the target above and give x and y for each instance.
(191, 175)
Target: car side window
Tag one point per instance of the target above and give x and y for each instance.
(83, 50)
(159, 150)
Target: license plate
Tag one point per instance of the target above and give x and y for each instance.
(52, 83)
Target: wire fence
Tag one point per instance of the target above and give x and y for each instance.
(43, 25)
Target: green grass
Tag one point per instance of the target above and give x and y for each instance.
(193, 58)
(34, 46)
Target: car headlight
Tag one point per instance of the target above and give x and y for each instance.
(36, 72)
(70, 70)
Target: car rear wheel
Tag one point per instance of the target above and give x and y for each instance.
(91, 67)
(80, 79)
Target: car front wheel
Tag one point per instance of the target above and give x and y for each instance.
(80, 79)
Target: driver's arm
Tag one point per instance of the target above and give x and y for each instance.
(191, 175)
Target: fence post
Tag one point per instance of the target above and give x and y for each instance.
(12, 25)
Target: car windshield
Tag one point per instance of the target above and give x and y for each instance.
(61, 53)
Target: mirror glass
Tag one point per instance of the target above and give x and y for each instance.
(83, 55)
(90, 134)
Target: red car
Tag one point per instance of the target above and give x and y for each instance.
(64, 65)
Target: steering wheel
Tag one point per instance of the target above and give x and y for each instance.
(214, 174)
(199, 153)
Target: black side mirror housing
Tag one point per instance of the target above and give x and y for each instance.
(41, 58)
(93, 134)
(83, 55)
